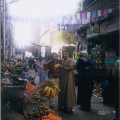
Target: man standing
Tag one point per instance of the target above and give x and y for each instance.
(53, 73)
(67, 97)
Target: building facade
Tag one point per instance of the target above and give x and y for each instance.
(7, 39)
(100, 37)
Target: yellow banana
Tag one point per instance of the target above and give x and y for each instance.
(48, 92)
(45, 90)
(54, 90)
(57, 89)
(52, 93)
(55, 84)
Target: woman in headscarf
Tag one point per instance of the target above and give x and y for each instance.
(84, 69)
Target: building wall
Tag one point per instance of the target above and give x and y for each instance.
(6, 30)
(101, 5)
(105, 26)
(109, 25)
(9, 40)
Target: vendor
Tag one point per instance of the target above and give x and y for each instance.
(14, 109)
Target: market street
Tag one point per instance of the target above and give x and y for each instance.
(98, 110)
(60, 60)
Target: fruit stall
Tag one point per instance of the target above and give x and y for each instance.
(14, 67)
(103, 51)
(40, 108)
(42, 113)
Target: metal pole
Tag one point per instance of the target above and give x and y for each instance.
(4, 28)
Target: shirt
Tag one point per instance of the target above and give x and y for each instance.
(53, 73)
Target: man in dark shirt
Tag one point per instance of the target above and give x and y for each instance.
(53, 73)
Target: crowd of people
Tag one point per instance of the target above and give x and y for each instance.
(64, 76)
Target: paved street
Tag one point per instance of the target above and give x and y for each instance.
(98, 112)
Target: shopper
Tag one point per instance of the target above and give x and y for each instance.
(84, 69)
(42, 73)
(116, 76)
(53, 73)
(14, 109)
(67, 97)
(31, 61)
(109, 87)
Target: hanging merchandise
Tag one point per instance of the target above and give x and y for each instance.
(93, 19)
(71, 28)
(70, 21)
(97, 57)
(109, 10)
(60, 27)
(66, 27)
(83, 15)
(78, 16)
(88, 14)
(79, 21)
(105, 12)
(63, 27)
(85, 21)
(65, 21)
(99, 13)
(94, 14)
(73, 19)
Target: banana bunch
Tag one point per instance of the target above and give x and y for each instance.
(50, 91)
(57, 66)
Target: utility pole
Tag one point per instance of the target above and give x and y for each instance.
(4, 29)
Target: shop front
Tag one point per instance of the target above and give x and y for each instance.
(103, 47)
